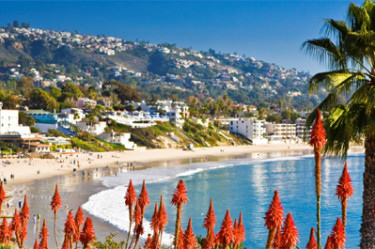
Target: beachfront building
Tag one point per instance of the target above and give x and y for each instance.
(118, 138)
(36, 147)
(9, 124)
(301, 130)
(94, 128)
(252, 129)
(281, 132)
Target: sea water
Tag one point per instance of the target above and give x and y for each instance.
(241, 185)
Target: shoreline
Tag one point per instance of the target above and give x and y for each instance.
(26, 170)
(75, 190)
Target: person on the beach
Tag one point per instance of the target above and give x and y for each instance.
(38, 217)
(34, 218)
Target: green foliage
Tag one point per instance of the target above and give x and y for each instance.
(25, 86)
(110, 242)
(40, 99)
(70, 91)
(34, 130)
(55, 133)
(160, 64)
(123, 92)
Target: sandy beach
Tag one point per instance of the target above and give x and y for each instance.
(25, 170)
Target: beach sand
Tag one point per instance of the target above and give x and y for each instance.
(25, 170)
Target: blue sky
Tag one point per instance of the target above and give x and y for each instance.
(272, 31)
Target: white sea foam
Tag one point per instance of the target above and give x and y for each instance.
(109, 204)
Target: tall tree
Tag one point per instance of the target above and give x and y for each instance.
(25, 86)
(348, 49)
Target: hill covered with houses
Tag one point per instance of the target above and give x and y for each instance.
(163, 70)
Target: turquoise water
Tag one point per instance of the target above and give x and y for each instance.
(249, 188)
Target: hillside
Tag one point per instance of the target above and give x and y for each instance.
(53, 57)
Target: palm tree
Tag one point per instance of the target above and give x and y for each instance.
(348, 48)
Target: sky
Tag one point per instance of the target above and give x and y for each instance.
(271, 31)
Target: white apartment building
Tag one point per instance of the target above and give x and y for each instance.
(301, 130)
(252, 129)
(281, 131)
(9, 123)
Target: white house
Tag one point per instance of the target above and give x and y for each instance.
(118, 138)
(71, 115)
(252, 129)
(95, 128)
(9, 123)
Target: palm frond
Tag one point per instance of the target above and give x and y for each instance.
(339, 131)
(335, 28)
(326, 52)
(340, 81)
(359, 18)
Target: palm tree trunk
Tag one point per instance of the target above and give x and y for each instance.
(318, 189)
(271, 236)
(368, 219)
(178, 221)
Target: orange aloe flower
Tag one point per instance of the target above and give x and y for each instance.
(225, 234)
(23, 234)
(16, 222)
(56, 200)
(163, 216)
(155, 221)
(210, 220)
(180, 194)
(2, 195)
(25, 211)
(329, 243)
(148, 241)
(312, 242)
(338, 234)
(65, 244)
(180, 239)
(189, 238)
(239, 231)
(137, 214)
(131, 196)
(43, 236)
(36, 246)
(143, 198)
(318, 134)
(289, 233)
(70, 229)
(4, 232)
(274, 218)
(344, 191)
(88, 233)
(79, 218)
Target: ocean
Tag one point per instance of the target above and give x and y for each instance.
(242, 184)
